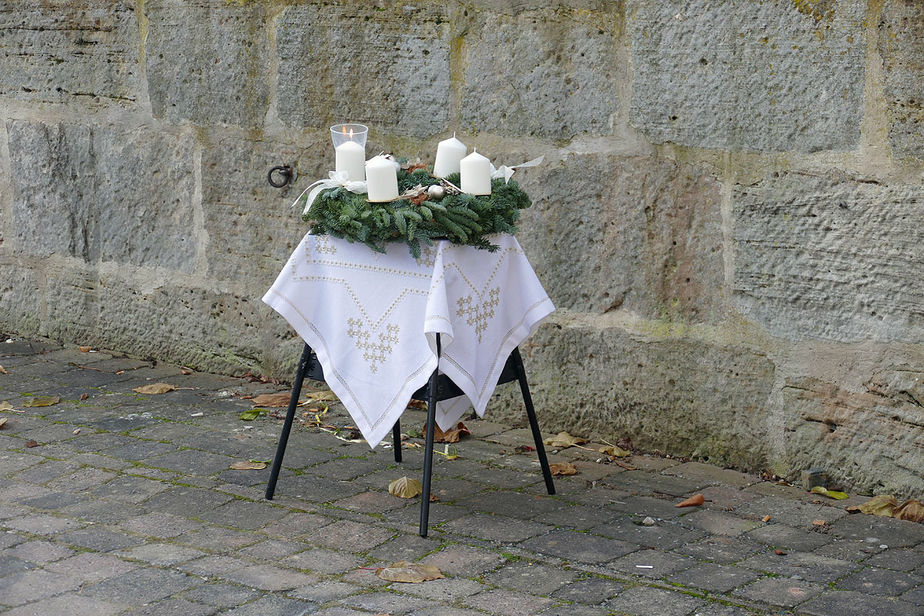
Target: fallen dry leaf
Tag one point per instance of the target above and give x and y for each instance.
(563, 468)
(31, 444)
(248, 465)
(186, 371)
(85, 349)
(322, 396)
(564, 440)
(155, 389)
(819, 523)
(38, 401)
(3, 370)
(412, 573)
(405, 488)
(6, 406)
(434, 498)
(910, 510)
(830, 493)
(84, 396)
(450, 436)
(694, 501)
(779, 552)
(272, 400)
(882, 505)
(616, 452)
(2, 422)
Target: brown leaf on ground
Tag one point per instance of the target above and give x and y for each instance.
(31, 444)
(883, 505)
(2, 422)
(272, 400)
(3, 370)
(84, 396)
(417, 404)
(819, 523)
(779, 552)
(616, 452)
(320, 396)
(185, 371)
(412, 573)
(38, 401)
(434, 498)
(910, 510)
(450, 436)
(563, 468)
(248, 465)
(6, 406)
(405, 488)
(694, 501)
(563, 440)
(85, 349)
(154, 389)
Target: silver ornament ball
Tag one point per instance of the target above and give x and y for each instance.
(436, 192)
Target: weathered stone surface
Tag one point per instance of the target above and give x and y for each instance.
(901, 46)
(830, 257)
(362, 63)
(102, 194)
(542, 73)
(251, 227)
(71, 52)
(648, 232)
(774, 75)
(20, 297)
(206, 61)
(693, 398)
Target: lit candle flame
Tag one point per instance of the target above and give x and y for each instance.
(351, 134)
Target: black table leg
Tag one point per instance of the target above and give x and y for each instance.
(287, 426)
(396, 435)
(428, 451)
(533, 423)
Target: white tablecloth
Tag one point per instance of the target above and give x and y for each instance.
(372, 319)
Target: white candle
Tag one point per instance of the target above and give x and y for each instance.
(351, 157)
(381, 179)
(448, 154)
(476, 174)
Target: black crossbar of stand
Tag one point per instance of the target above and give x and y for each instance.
(440, 387)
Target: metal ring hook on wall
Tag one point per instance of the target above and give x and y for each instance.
(286, 175)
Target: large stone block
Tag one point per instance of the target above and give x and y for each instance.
(21, 301)
(901, 46)
(207, 61)
(683, 396)
(251, 226)
(388, 68)
(871, 437)
(829, 257)
(103, 194)
(638, 233)
(769, 75)
(65, 51)
(542, 73)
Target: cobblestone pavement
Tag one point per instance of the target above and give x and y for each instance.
(113, 502)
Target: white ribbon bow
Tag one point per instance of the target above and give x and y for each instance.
(337, 178)
(507, 172)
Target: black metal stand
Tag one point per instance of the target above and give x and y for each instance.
(439, 388)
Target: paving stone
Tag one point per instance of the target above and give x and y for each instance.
(221, 594)
(404, 547)
(719, 523)
(371, 502)
(915, 596)
(267, 577)
(325, 591)
(54, 500)
(321, 560)
(82, 480)
(217, 539)
(890, 532)
(652, 563)
(649, 484)
(129, 489)
(172, 607)
(186, 502)
(698, 471)
(714, 578)
(90, 567)
(141, 586)
(578, 517)
(10, 565)
(160, 554)
(780, 535)
(70, 604)
(849, 603)
(45, 472)
(802, 565)
(581, 547)
(664, 535)
(508, 602)
(792, 513)
(388, 602)
(849, 549)
(340, 611)
(872, 581)
(42, 524)
(40, 552)
(137, 450)
(272, 549)
(8, 539)
(723, 550)
(531, 578)
(899, 560)
(213, 566)
(160, 525)
(27, 586)
(644, 506)
(295, 524)
(512, 504)
(445, 589)
(592, 591)
(348, 535)
(464, 561)
(191, 462)
(496, 527)
(102, 511)
(244, 515)
(644, 601)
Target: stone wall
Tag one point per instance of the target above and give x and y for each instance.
(730, 218)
